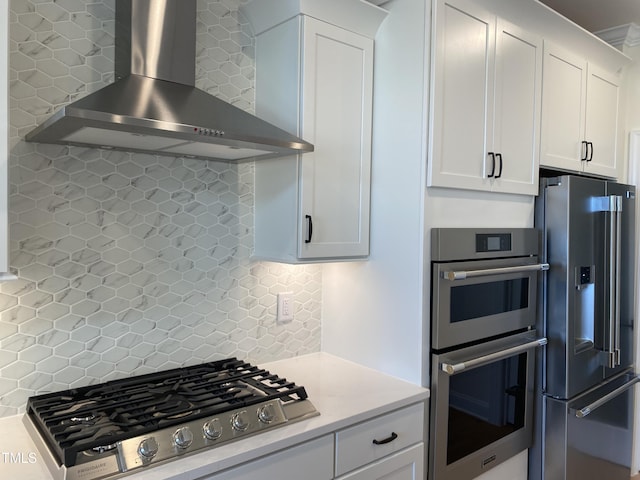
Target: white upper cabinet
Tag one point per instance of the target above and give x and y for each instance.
(579, 115)
(601, 123)
(485, 97)
(314, 78)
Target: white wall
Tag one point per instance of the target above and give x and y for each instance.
(372, 311)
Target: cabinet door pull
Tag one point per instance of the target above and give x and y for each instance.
(499, 155)
(309, 228)
(585, 150)
(389, 439)
(493, 164)
(590, 144)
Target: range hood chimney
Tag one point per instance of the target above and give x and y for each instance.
(153, 106)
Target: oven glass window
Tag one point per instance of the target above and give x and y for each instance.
(484, 299)
(486, 404)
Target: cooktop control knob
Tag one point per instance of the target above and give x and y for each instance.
(240, 421)
(183, 437)
(212, 429)
(266, 413)
(148, 448)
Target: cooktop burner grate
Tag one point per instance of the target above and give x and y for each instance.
(95, 418)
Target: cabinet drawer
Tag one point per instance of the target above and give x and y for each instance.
(355, 447)
(314, 458)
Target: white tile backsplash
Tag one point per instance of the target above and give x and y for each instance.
(131, 263)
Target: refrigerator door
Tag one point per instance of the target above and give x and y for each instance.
(619, 307)
(592, 435)
(574, 239)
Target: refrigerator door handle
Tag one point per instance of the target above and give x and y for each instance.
(615, 236)
(612, 205)
(452, 369)
(583, 412)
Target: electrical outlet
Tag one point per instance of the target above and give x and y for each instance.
(285, 307)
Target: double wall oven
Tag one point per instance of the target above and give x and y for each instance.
(483, 341)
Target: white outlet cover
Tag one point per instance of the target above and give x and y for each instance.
(285, 307)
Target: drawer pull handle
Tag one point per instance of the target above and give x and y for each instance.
(389, 439)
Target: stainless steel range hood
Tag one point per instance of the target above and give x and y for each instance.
(154, 106)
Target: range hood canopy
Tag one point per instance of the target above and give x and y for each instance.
(153, 106)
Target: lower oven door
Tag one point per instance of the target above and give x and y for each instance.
(481, 405)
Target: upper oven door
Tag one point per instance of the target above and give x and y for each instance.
(479, 299)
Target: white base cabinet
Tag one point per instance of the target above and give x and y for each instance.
(389, 447)
(579, 115)
(485, 98)
(314, 79)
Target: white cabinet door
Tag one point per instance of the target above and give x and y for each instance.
(337, 89)
(405, 465)
(601, 128)
(316, 80)
(516, 133)
(579, 115)
(564, 87)
(312, 461)
(486, 101)
(462, 91)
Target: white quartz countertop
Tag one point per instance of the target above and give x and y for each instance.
(343, 392)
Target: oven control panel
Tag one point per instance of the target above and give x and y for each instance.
(461, 244)
(197, 434)
(493, 242)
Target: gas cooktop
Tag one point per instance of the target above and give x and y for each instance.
(103, 430)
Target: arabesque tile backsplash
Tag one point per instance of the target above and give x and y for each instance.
(131, 263)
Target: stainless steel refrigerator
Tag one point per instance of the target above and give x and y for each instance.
(584, 399)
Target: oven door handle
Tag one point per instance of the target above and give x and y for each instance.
(452, 369)
(461, 275)
(583, 412)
